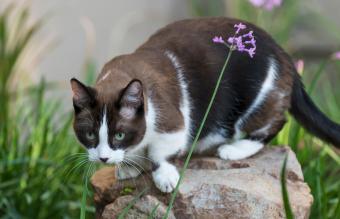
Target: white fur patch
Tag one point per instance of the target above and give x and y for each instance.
(267, 86)
(263, 131)
(165, 177)
(160, 145)
(185, 102)
(105, 75)
(210, 140)
(239, 149)
(93, 154)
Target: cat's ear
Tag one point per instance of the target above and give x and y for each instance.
(131, 99)
(83, 96)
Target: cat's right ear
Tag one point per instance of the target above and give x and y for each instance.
(83, 96)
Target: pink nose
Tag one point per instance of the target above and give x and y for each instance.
(103, 159)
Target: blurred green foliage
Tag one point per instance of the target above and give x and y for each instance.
(35, 139)
(9, 56)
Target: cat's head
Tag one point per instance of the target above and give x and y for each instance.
(109, 126)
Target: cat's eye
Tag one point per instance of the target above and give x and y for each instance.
(90, 136)
(119, 136)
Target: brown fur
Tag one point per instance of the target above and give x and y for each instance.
(202, 61)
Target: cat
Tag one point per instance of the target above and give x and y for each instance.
(146, 107)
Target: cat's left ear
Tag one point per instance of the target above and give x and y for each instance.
(131, 100)
(83, 96)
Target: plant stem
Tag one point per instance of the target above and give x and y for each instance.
(285, 198)
(193, 146)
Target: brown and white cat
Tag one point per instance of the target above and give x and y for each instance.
(146, 106)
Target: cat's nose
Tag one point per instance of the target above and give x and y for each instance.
(103, 159)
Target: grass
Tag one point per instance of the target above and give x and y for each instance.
(34, 162)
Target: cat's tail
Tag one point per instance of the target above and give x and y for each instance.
(310, 117)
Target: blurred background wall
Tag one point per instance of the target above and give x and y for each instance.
(112, 28)
(78, 30)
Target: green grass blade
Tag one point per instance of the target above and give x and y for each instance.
(153, 212)
(287, 207)
(337, 209)
(317, 76)
(83, 202)
(130, 205)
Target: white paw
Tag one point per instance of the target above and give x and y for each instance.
(165, 177)
(239, 150)
(126, 173)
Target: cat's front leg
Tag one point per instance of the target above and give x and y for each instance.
(165, 175)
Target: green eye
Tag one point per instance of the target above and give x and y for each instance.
(90, 135)
(119, 136)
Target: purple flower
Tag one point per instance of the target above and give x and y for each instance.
(217, 39)
(239, 27)
(252, 41)
(336, 55)
(249, 34)
(299, 65)
(251, 51)
(240, 42)
(266, 4)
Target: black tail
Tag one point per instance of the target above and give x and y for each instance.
(311, 118)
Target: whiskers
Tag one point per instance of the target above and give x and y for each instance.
(132, 165)
(76, 162)
(141, 157)
(140, 163)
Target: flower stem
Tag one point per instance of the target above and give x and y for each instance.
(193, 146)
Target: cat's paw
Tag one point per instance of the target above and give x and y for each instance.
(239, 150)
(126, 173)
(165, 177)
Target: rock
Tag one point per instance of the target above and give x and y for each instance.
(211, 188)
(141, 209)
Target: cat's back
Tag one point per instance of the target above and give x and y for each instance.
(188, 45)
(198, 32)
